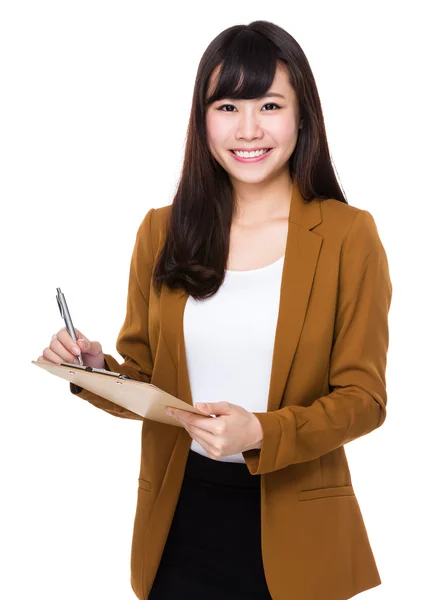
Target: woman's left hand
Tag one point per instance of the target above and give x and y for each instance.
(233, 429)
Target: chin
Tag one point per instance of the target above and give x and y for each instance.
(253, 179)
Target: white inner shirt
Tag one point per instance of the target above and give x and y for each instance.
(229, 341)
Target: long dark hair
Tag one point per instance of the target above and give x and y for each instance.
(194, 255)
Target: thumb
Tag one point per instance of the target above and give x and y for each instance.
(87, 347)
(214, 408)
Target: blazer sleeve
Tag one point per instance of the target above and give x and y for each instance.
(356, 404)
(132, 343)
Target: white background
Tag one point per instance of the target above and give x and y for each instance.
(95, 99)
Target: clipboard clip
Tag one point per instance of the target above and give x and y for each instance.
(89, 369)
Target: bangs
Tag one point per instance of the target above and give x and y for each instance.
(247, 70)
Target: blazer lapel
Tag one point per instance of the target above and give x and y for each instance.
(300, 262)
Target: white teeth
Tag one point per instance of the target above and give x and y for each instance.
(251, 154)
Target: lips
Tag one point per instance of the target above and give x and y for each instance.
(253, 159)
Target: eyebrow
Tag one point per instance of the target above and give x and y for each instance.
(269, 94)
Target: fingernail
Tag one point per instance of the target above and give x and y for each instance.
(75, 350)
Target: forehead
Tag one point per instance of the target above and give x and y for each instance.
(280, 82)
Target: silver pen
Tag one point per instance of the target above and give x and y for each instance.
(63, 307)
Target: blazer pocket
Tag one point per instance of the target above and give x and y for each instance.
(327, 492)
(144, 485)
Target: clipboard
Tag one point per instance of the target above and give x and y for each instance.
(144, 399)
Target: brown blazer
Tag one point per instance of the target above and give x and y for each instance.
(327, 388)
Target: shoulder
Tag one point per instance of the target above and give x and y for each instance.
(343, 221)
(160, 216)
(151, 231)
(154, 221)
(337, 215)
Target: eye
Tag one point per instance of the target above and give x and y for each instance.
(272, 104)
(231, 106)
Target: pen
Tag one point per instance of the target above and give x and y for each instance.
(63, 307)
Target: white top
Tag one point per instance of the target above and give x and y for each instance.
(229, 341)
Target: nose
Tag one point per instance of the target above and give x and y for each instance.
(248, 127)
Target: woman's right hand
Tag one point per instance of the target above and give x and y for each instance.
(62, 348)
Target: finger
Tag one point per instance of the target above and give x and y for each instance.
(204, 440)
(202, 435)
(204, 423)
(59, 349)
(215, 408)
(66, 340)
(211, 451)
(187, 429)
(42, 359)
(79, 334)
(85, 345)
(195, 435)
(92, 348)
(52, 356)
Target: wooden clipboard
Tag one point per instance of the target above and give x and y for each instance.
(144, 399)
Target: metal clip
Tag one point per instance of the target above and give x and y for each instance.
(60, 306)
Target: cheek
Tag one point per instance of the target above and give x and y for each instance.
(285, 131)
(215, 130)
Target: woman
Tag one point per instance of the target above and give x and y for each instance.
(263, 294)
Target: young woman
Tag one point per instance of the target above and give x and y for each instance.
(261, 297)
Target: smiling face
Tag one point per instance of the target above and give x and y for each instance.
(271, 122)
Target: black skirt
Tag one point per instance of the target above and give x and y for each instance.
(213, 551)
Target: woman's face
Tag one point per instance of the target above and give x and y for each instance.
(269, 122)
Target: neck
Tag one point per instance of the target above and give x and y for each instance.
(260, 202)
